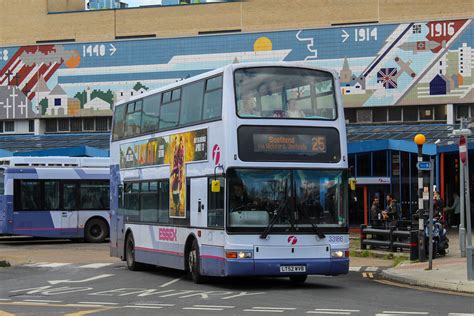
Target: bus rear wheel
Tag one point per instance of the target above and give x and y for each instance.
(96, 230)
(298, 279)
(194, 263)
(132, 265)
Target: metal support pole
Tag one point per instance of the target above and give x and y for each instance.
(469, 248)
(462, 227)
(421, 233)
(430, 233)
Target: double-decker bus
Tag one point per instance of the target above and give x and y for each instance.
(239, 171)
(55, 197)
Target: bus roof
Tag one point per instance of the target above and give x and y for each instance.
(221, 70)
(55, 161)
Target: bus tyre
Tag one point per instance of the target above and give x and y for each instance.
(298, 279)
(96, 230)
(132, 265)
(194, 263)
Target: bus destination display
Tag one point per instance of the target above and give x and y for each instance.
(284, 143)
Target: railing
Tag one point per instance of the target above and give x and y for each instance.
(392, 236)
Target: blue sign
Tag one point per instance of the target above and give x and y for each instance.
(423, 165)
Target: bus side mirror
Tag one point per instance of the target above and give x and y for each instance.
(216, 186)
(352, 184)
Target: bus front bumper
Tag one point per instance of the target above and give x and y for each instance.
(271, 267)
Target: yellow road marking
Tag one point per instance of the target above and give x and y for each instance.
(3, 313)
(91, 311)
(85, 312)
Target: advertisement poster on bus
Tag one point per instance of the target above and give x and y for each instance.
(174, 150)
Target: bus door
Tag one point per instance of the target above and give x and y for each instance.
(198, 202)
(70, 211)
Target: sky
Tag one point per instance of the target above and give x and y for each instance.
(137, 3)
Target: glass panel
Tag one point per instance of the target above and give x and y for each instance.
(364, 116)
(163, 201)
(131, 201)
(94, 195)
(462, 111)
(379, 114)
(258, 198)
(2, 182)
(350, 115)
(70, 196)
(176, 95)
(191, 103)
(169, 115)
(363, 165)
(215, 210)
(51, 195)
(89, 124)
(51, 126)
(426, 112)
(212, 105)
(101, 123)
(167, 97)
(149, 202)
(30, 195)
(76, 126)
(134, 120)
(394, 114)
(440, 112)
(410, 114)
(151, 113)
(380, 163)
(214, 83)
(267, 91)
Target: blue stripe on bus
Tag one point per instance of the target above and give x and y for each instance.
(21, 170)
(91, 176)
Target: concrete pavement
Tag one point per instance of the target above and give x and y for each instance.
(448, 273)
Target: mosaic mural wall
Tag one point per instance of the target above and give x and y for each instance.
(392, 64)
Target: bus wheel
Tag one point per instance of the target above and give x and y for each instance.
(132, 265)
(298, 279)
(96, 230)
(194, 263)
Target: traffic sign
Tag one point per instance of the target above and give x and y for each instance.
(462, 149)
(423, 165)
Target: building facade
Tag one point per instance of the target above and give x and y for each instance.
(403, 67)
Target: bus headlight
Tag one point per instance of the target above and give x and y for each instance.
(238, 254)
(339, 254)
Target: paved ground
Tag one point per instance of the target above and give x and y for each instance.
(61, 277)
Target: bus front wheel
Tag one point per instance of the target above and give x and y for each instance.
(194, 263)
(132, 265)
(96, 230)
(298, 279)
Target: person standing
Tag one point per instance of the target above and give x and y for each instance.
(375, 210)
(454, 210)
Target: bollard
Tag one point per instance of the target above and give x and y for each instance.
(470, 262)
(362, 236)
(413, 245)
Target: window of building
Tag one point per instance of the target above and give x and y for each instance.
(462, 111)
(51, 126)
(426, 113)
(63, 125)
(364, 116)
(410, 114)
(151, 113)
(76, 125)
(379, 115)
(9, 126)
(363, 165)
(149, 202)
(119, 122)
(94, 195)
(379, 161)
(1, 126)
(57, 102)
(89, 124)
(191, 103)
(101, 124)
(31, 126)
(350, 115)
(440, 112)
(213, 99)
(394, 114)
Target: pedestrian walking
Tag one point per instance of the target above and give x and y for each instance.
(453, 211)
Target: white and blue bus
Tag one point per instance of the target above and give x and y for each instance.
(240, 171)
(55, 197)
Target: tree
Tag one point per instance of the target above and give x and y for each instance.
(139, 85)
(82, 97)
(44, 106)
(106, 96)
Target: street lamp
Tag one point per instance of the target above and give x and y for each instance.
(419, 140)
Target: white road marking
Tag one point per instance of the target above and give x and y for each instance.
(97, 277)
(283, 308)
(354, 269)
(95, 265)
(337, 310)
(203, 308)
(264, 310)
(371, 269)
(170, 282)
(409, 313)
(44, 301)
(5, 299)
(154, 304)
(52, 265)
(328, 312)
(215, 306)
(460, 314)
(99, 303)
(143, 306)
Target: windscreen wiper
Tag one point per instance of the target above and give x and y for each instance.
(316, 229)
(274, 219)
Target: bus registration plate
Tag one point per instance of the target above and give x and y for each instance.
(292, 268)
